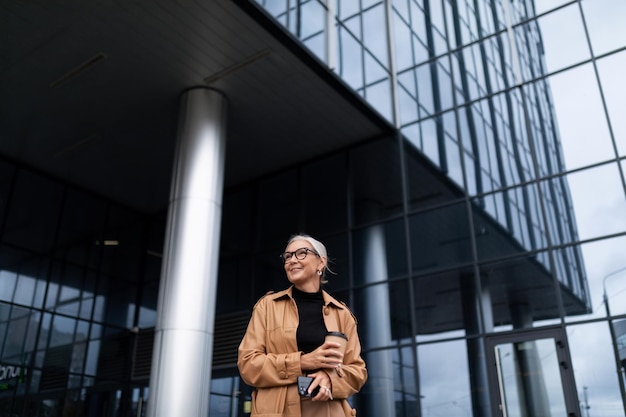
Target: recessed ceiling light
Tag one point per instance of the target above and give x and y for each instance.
(236, 67)
(79, 70)
(89, 140)
(107, 242)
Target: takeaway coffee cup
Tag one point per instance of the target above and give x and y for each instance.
(338, 337)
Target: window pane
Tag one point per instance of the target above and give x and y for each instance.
(563, 36)
(580, 118)
(379, 96)
(440, 238)
(444, 379)
(599, 209)
(605, 270)
(377, 192)
(594, 363)
(546, 5)
(350, 58)
(390, 388)
(8, 280)
(605, 20)
(389, 322)
(374, 33)
(380, 253)
(535, 300)
(611, 70)
(438, 305)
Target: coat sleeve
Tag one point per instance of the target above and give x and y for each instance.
(257, 367)
(353, 373)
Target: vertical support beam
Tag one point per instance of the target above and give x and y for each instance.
(380, 398)
(478, 319)
(181, 364)
(331, 34)
(531, 385)
(393, 67)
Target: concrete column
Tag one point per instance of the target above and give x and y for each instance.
(380, 398)
(183, 347)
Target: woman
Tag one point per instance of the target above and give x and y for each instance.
(285, 339)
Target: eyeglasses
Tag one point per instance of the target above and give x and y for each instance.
(300, 254)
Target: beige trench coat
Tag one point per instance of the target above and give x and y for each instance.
(269, 359)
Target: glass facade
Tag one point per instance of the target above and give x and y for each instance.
(517, 104)
(481, 244)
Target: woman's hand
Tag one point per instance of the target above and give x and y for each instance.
(322, 380)
(324, 357)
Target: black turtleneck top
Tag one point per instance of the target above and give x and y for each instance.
(311, 328)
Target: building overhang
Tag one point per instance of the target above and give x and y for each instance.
(90, 92)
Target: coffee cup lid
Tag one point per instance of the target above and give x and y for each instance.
(338, 334)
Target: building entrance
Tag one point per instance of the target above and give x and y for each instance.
(531, 374)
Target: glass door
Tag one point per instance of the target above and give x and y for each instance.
(531, 374)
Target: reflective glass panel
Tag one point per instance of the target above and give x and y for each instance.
(557, 204)
(380, 253)
(278, 207)
(390, 388)
(314, 19)
(492, 213)
(407, 100)
(62, 331)
(350, 57)
(594, 362)
(547, 5)
(605, 21)
(389, 322)
(375, 33)
(598, 201)
(377, 192)
(530, 363)
(580, 118)
(569, 267)
(440, 238)
(522, 291)
(439, 300)
(605, 271)
(8, 280)
(6, 177)
(18, 329)
(611, 71)
(379, 96)
(563, 38)
(325, 195)
(444, 379)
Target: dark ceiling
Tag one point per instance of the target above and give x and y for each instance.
(89, 92)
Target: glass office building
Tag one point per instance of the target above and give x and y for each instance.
(463, 162)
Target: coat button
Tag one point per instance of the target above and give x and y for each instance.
(326, 311)
(283, 375)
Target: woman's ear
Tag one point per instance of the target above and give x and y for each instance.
(322, 264)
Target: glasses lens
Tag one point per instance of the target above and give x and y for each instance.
(286, 256)
(301, 253)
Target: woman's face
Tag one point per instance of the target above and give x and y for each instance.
(303, 272)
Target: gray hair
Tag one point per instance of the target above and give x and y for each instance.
(318, 247)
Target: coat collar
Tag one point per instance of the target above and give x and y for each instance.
(288, 293)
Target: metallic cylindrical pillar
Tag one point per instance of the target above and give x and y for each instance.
(380, 401)
(181, 364)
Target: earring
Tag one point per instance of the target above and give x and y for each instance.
(319, 272)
